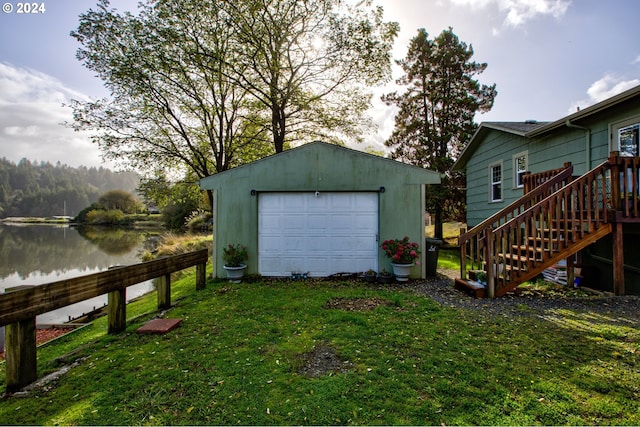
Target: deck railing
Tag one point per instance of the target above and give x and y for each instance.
(19, 308)
(626, 189)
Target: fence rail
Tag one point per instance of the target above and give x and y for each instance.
(19, 307)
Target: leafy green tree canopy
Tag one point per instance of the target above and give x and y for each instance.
(208, 85)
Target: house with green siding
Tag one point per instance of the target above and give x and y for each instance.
(318, 209)
(594, 221)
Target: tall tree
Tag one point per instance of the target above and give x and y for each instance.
(211, 84)
(172, 104)
(436, 113)
(310, 64)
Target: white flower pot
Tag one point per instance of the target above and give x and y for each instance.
(235, 274)
(402, 271)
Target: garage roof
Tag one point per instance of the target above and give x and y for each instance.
(321, 166)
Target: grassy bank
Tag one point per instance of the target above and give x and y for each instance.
(242, 356)
(450, 232)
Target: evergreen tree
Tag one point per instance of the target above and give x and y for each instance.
(436, 114)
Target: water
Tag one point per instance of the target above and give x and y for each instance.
(38, 254)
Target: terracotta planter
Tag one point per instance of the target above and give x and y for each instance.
(402, 271)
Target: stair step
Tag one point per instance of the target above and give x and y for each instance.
(525, 248)
(471, 287)
(518, 257)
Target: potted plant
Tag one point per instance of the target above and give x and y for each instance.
(235, 257)
(370, 276)
(385, 276)
(481, 277)
(403, 255)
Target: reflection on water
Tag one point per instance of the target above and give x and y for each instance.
(33, 251)
(38, 254)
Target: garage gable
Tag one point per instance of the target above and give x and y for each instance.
(320, 166)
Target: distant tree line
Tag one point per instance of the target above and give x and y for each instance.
(43, 189)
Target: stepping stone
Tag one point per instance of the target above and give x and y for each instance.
(159, 326)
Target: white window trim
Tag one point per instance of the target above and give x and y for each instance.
(616, 126)
(490, 173)
(516, 156)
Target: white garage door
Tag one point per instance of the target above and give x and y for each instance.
(317, 233)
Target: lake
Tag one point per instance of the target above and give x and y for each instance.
(39, 254)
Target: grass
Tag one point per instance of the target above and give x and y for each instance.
(450, 232)
(235, 360)
(449, 258)
(175, 244)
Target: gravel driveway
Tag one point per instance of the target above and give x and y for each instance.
(623, 310)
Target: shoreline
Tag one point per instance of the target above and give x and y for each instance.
(55, 220)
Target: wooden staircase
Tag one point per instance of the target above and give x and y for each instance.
(560, 216)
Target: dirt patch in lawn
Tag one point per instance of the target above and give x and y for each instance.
(355, 304)
(322, 360)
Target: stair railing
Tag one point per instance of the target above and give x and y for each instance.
(474, 244)
(550, 230)
(531, 181)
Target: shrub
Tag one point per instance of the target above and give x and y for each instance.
(104, 217)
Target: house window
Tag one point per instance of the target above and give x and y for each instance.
(625, 137)
(628, 140)
(520, 161)
(495, 180)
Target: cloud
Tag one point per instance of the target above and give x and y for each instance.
(602, 89)
(31, 114)
(518, 12)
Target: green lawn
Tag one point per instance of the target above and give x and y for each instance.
(237, 358)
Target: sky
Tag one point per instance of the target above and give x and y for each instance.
(546, 57)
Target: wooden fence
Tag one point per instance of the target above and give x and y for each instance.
(20, 306)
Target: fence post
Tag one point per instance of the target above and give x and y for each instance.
(20, 344)
(117, 311)
(164, 291)
(21, 362)
(201, 279)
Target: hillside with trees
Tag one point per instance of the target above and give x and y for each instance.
(43, 189)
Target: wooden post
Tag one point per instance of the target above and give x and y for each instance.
(117, 311)
(618, 259)
(615, 181)
(164, 291)
(201, 279)
(463, 254)
(21, 361)
(491, 284)
(571, 277)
